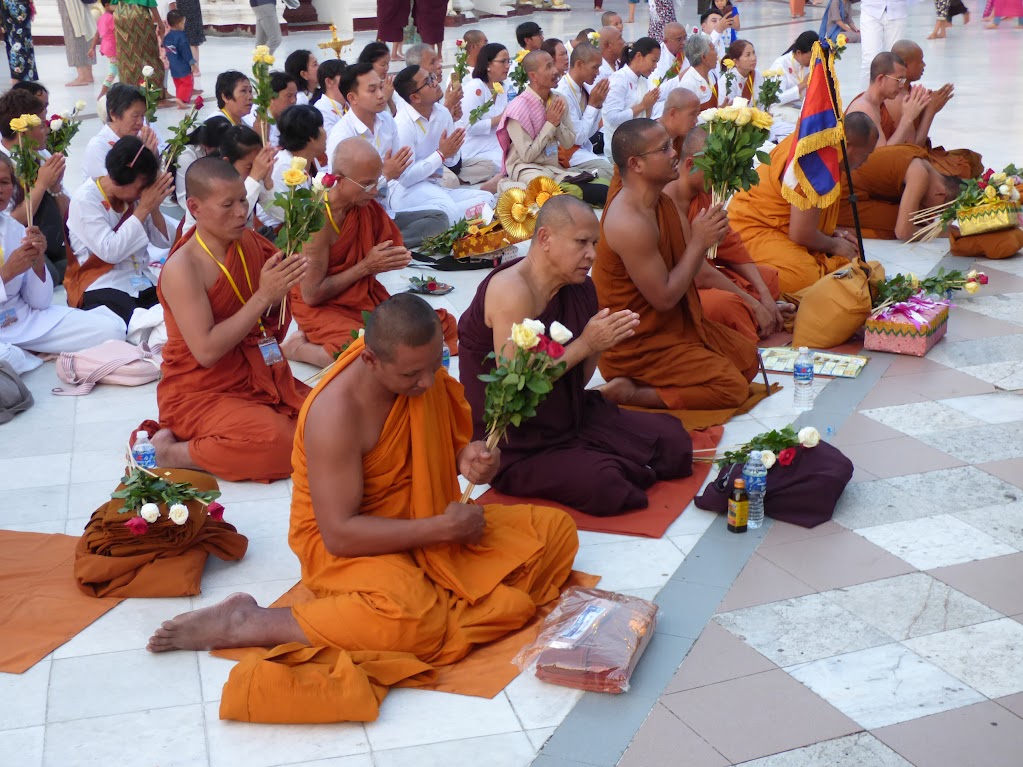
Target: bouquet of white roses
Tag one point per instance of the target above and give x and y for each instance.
(63, 128)
(734, 137)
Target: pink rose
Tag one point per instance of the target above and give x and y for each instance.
(216, 511)
(137, 526)
(982, 278)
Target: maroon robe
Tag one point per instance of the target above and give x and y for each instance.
(580, 450)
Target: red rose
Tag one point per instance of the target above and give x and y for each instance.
(329, 179)
(216, 511)
(981, 185)
(55, 117)
(431, 286)
(786, 456)
(988, 174)
(137, 526)
(199, 102)
(543, 345)
(982, 278)
(555, 350)
(458, 43)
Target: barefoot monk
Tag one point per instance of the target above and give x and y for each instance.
(405, 578)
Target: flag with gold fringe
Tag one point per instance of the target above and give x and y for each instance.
(812, 175)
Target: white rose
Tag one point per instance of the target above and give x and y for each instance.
(560, 333)
(972, 274)
(56, 125)
(148, 71)
(809, 437)
(740, 103)
(1014, 194)
(318, 186)
(362, 332)
(79, 105)
(178, 514)
(150, 512)
(1003, 189)
(708, 115)
(535, 325)
(768, 458)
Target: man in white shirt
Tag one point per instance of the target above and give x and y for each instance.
(610, 46)
(426, 126)
(474, 40)
(584, 108)
(882, 24)
(426, 56)
(368, 118)
(673, 60)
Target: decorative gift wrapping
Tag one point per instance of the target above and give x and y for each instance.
(592, 640)
(911, 327)
(479, 244)
(988, 218)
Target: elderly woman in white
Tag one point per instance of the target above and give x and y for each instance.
(126, 112)
(29, 322)
(631, 94)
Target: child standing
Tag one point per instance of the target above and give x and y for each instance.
(107, 42)
(179, 55)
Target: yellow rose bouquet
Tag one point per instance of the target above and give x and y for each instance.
(518, 75)
(770, 89)
(734, 137)
(520, 382)
(262, 92)
(26, 158)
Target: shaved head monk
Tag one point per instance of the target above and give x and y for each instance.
(580, 449)
(677, 358)
(803, 245)
(887, 80)
(359, 242)
(395, 563)
(733, 289)
(963, 163)
(228, 401)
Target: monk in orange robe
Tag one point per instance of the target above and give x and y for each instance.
(405, 577)
(228, 401)
(677, 359)
(358, 242)
(894, 183)
(734, 291)
(803, 245)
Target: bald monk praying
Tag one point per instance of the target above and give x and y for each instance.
(395, 563)
(677, 359)
(963, 163)
(580, 449)
(803, 245)
(887, 79)
(359, 242)
(733, 289)
(228, 401)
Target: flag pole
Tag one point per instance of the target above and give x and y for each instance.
(829, 76)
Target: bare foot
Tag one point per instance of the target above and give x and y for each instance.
(298, 347)
(787, 310)
(170, 452)
(78, 83)
(491, 185)
(205, 629)
(991, 26)
(621, 391)
(966, 19)
(182, 105)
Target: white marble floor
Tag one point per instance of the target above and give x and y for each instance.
(61, 459)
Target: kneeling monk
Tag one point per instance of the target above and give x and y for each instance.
(228, 401)
(579, 449)
(359, 242)
(396, 565)
(803, 245)
(733, 290)
(677, 358)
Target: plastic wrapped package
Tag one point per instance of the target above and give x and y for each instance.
(592, 640)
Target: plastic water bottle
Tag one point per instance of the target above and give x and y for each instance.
(802, 375)
(755, 476)
(445, 357)
(143, 451)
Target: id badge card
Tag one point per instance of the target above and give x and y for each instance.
(8, 317)
(140, 283)
(552, 150)
(270, 350)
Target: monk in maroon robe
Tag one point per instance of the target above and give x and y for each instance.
(580, 450)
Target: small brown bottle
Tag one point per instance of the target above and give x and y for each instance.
(738, 508)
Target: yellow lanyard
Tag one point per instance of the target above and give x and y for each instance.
(229, 118)
(330, 217)
(134, 262)
(582, 101)
(230, 279)
(333, 106)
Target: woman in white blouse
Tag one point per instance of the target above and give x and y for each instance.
(794, 65)
(203, 141)
(745, 81)
(630, 94)
(492, 65)
(126, 112)
(29, 322)
(112, 221)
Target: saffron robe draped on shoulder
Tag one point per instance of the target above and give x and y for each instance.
(762, 216)
(693, 363)
(879, 185)
(330, 324)
(238, 416)
(579, 449)
(390, 619)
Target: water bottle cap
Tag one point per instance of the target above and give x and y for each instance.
(803, 350)
(142, 435)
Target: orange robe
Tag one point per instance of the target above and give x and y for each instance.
(879, 185)
(330, 324)
(693, 363)
(413, 610)
(239, 415)
(761, 216)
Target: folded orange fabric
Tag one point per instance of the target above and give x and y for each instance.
(167, 561)
(40, 607)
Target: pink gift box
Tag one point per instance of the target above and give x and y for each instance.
(899, 335)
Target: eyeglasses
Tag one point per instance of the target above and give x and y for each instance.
(899, 80)
(370, 188)
(430, 80)
(662, 149)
